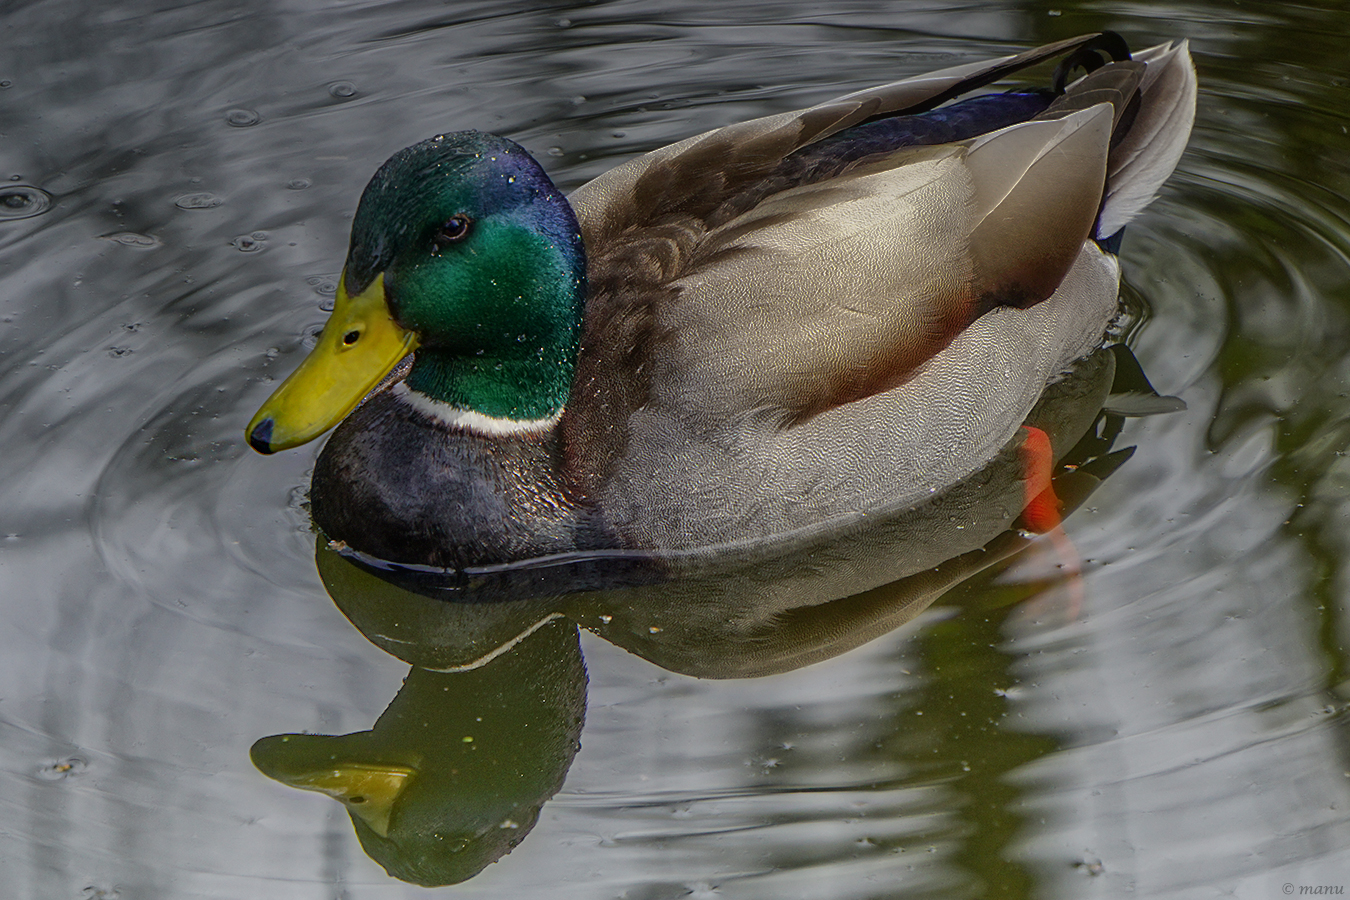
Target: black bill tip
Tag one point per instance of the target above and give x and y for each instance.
(260, 437)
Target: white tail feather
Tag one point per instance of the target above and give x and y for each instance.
(1140, 164)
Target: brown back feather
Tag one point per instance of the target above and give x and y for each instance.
(643, 236)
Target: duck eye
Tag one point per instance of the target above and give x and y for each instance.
(455, 229)
(351, 337)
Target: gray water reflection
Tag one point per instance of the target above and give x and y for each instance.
(1183, 737)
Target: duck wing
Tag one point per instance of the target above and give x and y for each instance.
(763, 279)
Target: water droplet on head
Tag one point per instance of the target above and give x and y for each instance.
(342, 89)
(198, 201)
(23, 201)
(242, 118)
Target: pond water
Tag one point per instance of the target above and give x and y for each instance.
(177, 183)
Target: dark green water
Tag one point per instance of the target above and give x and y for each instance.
(1183, 735)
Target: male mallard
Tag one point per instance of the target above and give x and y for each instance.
(808, 317)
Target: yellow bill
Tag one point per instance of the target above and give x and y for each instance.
(359, 346)
(368, 791)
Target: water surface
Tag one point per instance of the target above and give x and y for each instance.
(176, 185)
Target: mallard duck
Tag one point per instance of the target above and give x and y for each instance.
(776, 325)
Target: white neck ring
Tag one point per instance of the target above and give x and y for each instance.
(468, 419)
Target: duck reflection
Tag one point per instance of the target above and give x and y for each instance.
(453, 775)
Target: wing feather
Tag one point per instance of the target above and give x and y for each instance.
(719, 293)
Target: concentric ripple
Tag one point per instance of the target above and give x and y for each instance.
(23, 201)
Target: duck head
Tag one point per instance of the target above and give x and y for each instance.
(464, 251)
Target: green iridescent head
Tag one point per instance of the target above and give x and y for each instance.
(482, 259)
(464, 250)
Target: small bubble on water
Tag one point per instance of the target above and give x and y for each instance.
(200, 200)
(272, 353)
(23, 201)
(555, 151)
(298, 184)
(6, 84)
(242, 118)
(1093, 867)
(16, 178)
(259, 235)
(67, 768)
(133, 239)
(563, 22)
(94, 892)
(342, 89)
(310, 338)
(250, 243)
(119, 352)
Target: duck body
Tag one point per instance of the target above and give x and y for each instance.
(820, 315)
